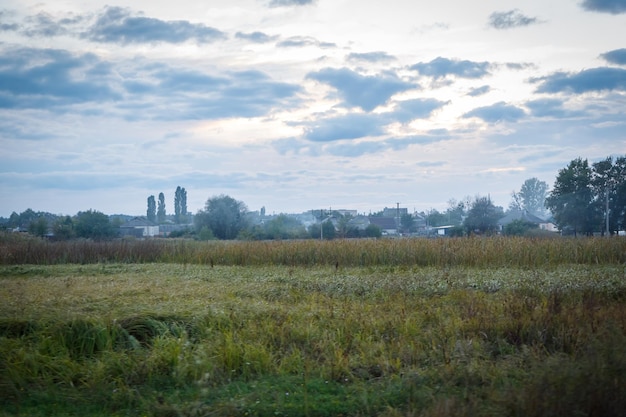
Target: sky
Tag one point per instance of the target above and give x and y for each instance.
(295, 105)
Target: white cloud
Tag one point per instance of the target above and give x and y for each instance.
(300, 104)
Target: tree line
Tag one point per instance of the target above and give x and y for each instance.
(585, 199)
(590, 199)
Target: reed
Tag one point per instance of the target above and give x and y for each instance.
(474, 252)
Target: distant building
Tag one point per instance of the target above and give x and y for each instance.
(524, 215)
(344, 212)
(387, 225)
(395, 212)
(139, 227)
(359, 222)
(443, 230)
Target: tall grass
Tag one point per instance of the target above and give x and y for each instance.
(475, 252)
(193, 340)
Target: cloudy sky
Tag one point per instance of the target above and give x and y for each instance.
(302, 104)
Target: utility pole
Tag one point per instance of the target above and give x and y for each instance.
(608, 234)
(398, 217)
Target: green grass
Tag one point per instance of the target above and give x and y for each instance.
(186, 339)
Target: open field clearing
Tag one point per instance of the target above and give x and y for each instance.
(183, 339)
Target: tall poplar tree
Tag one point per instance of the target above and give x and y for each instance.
(151, 211)
(161, 209)
(180, 204)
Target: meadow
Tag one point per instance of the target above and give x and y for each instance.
(443, 327)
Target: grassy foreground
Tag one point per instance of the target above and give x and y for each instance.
(187, 339)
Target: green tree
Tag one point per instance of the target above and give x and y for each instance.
(455, 213)
(63, 228)
(407, 223)
(618, 208)
(328, 230)
(14, 220)
(531, 197)
(314, 231)
(483, 216)
(519, 227)
(28, 216)
(571, 198)
(183, 204)
(373, 231)
(180, 205)
(224, 216)
(343, 228)
(161, 209)
(283, 227)
(151, 211)
(436, 218)
(608, 184)
(93, 224)
(38, 227)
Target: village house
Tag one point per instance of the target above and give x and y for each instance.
(524, 215)
(139, 227)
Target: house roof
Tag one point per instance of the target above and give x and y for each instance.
(520, 215)
(385, 223)
(138, 222)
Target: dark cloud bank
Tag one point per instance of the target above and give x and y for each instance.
(605, 6)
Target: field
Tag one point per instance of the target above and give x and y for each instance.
(449, 327)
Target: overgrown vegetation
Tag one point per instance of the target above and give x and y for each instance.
(475, 252)
(448, 327)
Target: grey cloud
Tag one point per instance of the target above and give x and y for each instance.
(602, 131)
(68, 180)
(511, 19)
(49, 77)
(352, 149)
(551, 108)
(4, 25)
(9, 27)
(442, 67)
(595, 79)
(359, 125)
(518, 66)
(539, 156)
(287, 3)
(116, 24)
(605, 6)
(366, 92)
(371, 57)
(302, 41)
(499, 112)
(479, 91)
(52, 79)
(351, 126)
(44, 25)
(194, 95)
(617, 56)
(255, 37)
(408, 110)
